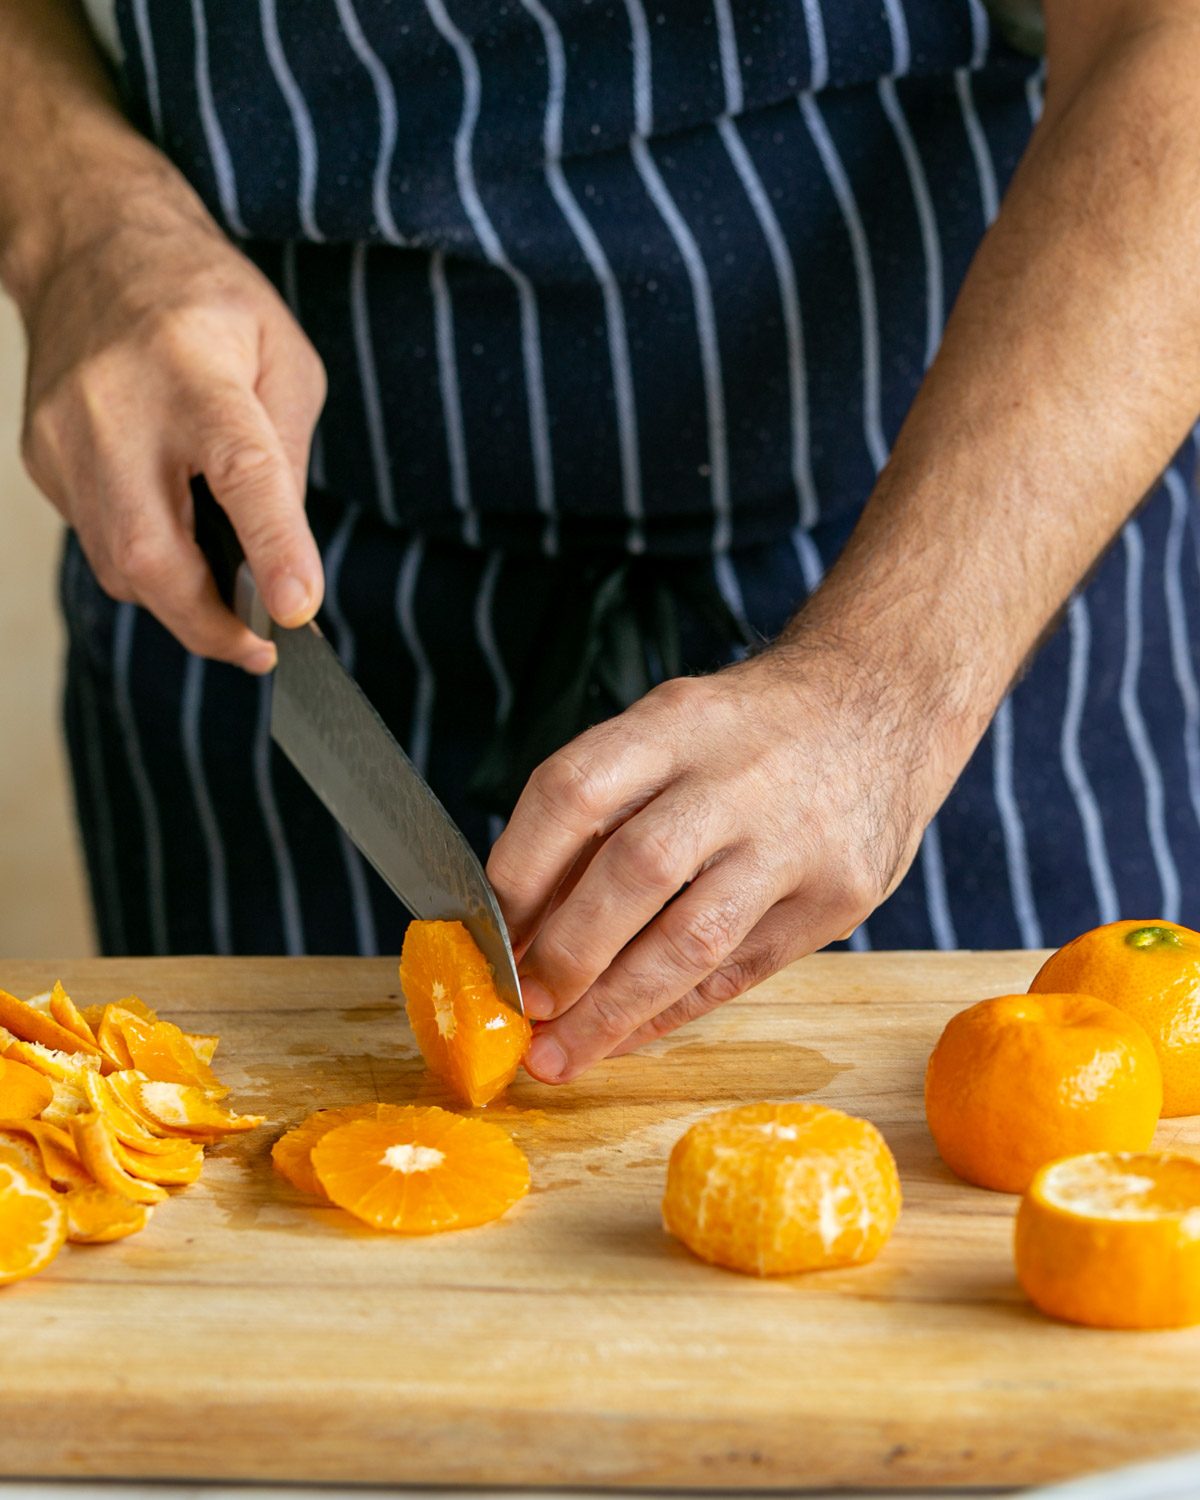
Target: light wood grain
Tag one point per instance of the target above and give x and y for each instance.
(250, 1334)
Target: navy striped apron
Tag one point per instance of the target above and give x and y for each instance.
(606, 289)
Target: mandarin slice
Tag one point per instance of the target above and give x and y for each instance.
(1112, 1240)
(178, 1108)
(467, 1035)
(421, 1170)
(59, 1160)
(98, 1217)
(112, 1039)
(177, 1168)
(291, 1154)
(162, 1051)
(29, 1024)
(97, 1148)
(64, 1067)
(24, 1092)
(33, 1223)
(68, 1015)
(129, 1129)
(772, 1189)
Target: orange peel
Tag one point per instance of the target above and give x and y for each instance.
(97, 1217)
(24, 1092)
(97, 1149)
(29, 1024)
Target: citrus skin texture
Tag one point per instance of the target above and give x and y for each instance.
(1151, 971)
(1113, 1241)
(1022, 1080)
(771, 1189)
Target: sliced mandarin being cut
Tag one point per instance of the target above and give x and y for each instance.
(291, 1154)
(773, 1189)
(33, 1223)
(1023, 1080)
(468, 1036)
(421, 1170)
(24, 1092)
(1112, 1240)
(98, 1217)
(1151, 971)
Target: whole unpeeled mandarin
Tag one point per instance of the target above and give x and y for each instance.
(1021, 1080)
(1151, 971)
(777, 1188)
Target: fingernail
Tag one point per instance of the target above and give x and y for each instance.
(289, 598)
(546, 1058)
(539, 1002)
(258, 663)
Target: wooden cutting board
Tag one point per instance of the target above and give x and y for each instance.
(250, 1333)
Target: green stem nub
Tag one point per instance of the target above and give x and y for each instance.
(1152, 937)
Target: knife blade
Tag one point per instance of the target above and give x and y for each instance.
(327, 727)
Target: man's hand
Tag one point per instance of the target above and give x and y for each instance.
(157, 352)
(671, 858)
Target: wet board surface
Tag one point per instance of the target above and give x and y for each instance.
(249, 1333)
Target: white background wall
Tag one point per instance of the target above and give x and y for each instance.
(43, 909)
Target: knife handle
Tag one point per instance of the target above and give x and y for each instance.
(217, 539)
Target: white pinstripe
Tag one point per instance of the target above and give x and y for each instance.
(731, 72)
(385, 99)
(643, 91)
(264, 791)
(485, 631)
(1080, 629)
(1024, 906)
(793, 326)
(730, 589)
(489, 241)
(706, 332)
(142, 787)
(931, 245)
(369, 381)
(218, 148)
(1034, 93)
(898, 26)
(406, 590)
(811, 567)
(980, 33)
(193, 760)
(103, 16)
(867, 300)
(818, 51)
(356, 871)
(306, 140)
(1181, 646)
(937, 898)
(614, 309)
(1135, 725)
(141, 24)
(451, 394)
(1015, 847)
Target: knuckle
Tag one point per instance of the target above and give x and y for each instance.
(704, 940)
(676, 694)
(559, 960)
(237, 461)
(139, 555)
(568, 785)
(653, 858)
(734, 977)
(610, 1017)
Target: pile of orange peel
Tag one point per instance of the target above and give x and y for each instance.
(103, 1111)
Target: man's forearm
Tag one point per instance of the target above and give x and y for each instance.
(1069, 373)
(64, 144)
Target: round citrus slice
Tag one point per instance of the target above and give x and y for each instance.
(772, 1189)
(467, 1035)
(421, 1170)
(24, 1092)
(33, 1224)
(292, 1152)
(97, 1217)
(1112, 1240)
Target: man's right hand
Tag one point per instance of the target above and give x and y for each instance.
(158, 352)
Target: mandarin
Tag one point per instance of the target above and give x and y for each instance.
(776, 1188)
(421, 1170)
(24, 1092)
(1112, 1240)
(291, 1155)
(33, 1223)
(1151, 971)
(1020, 1080)
(467, 1035)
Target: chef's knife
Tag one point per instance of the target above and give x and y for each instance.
(324, 723)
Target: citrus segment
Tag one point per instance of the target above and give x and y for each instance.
(772, 1189)
(176, 1168)
(29, 1024)
(65, 1067)
(1021, 1080)
(292, 1152)
(97, 1148)
(177, 1108)
(67, 1014)
(59, 1161)
(161, 1051)
(420, 1170)
(24, 1093)
(1151, 971)
(112, 1039)
(33, 1224)
(98, 1217)
(467, 1035)
(1112, 1240)
(129, 1129)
